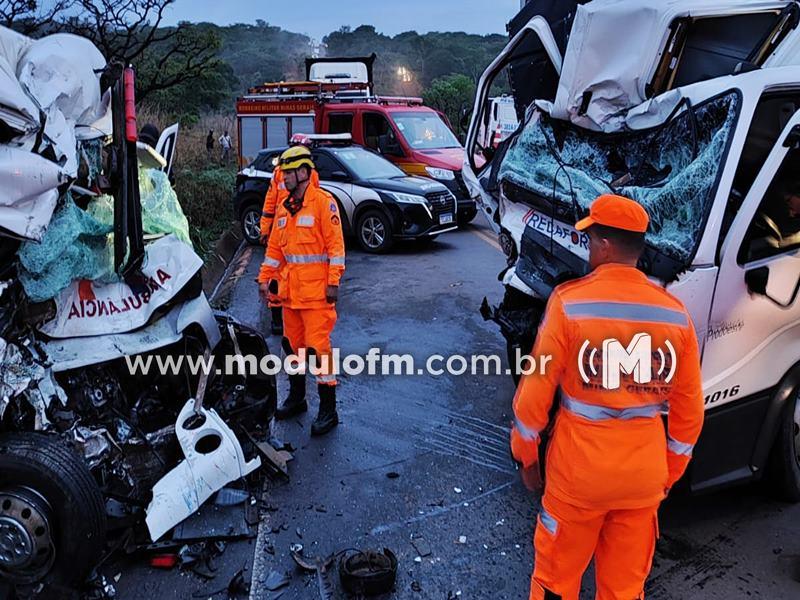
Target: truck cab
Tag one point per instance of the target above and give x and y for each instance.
(709, 143)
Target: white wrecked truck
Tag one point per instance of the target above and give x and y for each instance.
(96, 267)
(693, 109)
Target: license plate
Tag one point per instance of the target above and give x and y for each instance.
(444, 219)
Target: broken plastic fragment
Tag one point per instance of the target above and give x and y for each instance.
(214, 458)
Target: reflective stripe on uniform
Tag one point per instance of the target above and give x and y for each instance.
(677, 447)
(525, 431)
(304, 259)
(305, 221)
(337, 260)
(625, 311)
(271, 262)
(548, 521)
(594, 412)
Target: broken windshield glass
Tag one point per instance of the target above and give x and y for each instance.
(672, 170)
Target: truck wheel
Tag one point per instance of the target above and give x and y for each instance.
(250, 219)
(374, 232)
(52, 513)
(786, 453)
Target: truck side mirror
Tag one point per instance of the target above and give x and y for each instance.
(388, 145)
(756, 280)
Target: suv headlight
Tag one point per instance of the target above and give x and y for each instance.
(409, 198)
(412, 199)
(443, 174)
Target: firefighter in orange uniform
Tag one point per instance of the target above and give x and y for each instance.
(276, 195)
(305, 255)
(611, 460)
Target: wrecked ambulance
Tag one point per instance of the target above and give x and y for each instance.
(97, 270)
(693, 109)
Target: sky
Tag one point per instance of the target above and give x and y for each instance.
(317, 18)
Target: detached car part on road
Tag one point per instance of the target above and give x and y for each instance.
(96, 273)
(695, 113)
(378, 202)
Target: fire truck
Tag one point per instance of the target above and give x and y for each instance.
(338, 97)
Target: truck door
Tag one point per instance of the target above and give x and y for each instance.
(381, 136)
(753, 334)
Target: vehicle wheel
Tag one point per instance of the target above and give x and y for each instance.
(467, 218)
(374, 232)
(250, 220)
(52, 513)
(786, 453)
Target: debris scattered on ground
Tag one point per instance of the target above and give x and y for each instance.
(368, 572)
(276, 580)
(457, 490)
(416, 587)
(320, 566)
(201, 558)
(164, 561)
(462, 539)
(393, 474)
(99, 588)
(421, 546)
(276, 460)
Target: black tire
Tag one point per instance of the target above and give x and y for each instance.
(249, 220)
(786, 453)
(50, 471)
(467, 218)
(374, 232)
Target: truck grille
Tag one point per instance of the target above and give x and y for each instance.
(441, 202)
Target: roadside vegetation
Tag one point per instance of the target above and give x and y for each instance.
(193, 72)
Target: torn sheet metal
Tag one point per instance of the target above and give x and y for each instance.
(89, 309)
(214, 458)
(73, 353)
(23, 375)
(29, 196)
(61, 72)
(17, 109)
(613, 51)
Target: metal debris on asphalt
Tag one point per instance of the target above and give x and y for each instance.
(277, 579)
(368, 572)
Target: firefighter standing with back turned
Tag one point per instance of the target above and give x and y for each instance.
(610, 461)
(305, 254)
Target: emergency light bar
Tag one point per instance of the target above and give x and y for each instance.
(309, 139)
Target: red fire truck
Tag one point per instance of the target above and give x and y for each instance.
(338, 97)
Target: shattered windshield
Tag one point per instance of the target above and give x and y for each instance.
(672, 170)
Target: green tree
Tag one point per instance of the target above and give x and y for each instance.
(452, 95)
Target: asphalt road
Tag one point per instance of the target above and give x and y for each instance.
(426, 456)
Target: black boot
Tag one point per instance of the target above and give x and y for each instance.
(327, 418)
(277, 320)
(296, 402)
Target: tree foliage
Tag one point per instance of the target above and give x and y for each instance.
(451, 94)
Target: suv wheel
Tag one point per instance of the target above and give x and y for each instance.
(250, 220)
(786, 453)
(52, 513)
(374, 232)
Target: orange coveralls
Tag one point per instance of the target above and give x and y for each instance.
(610, 461)
(275, 196)
(306, 254)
